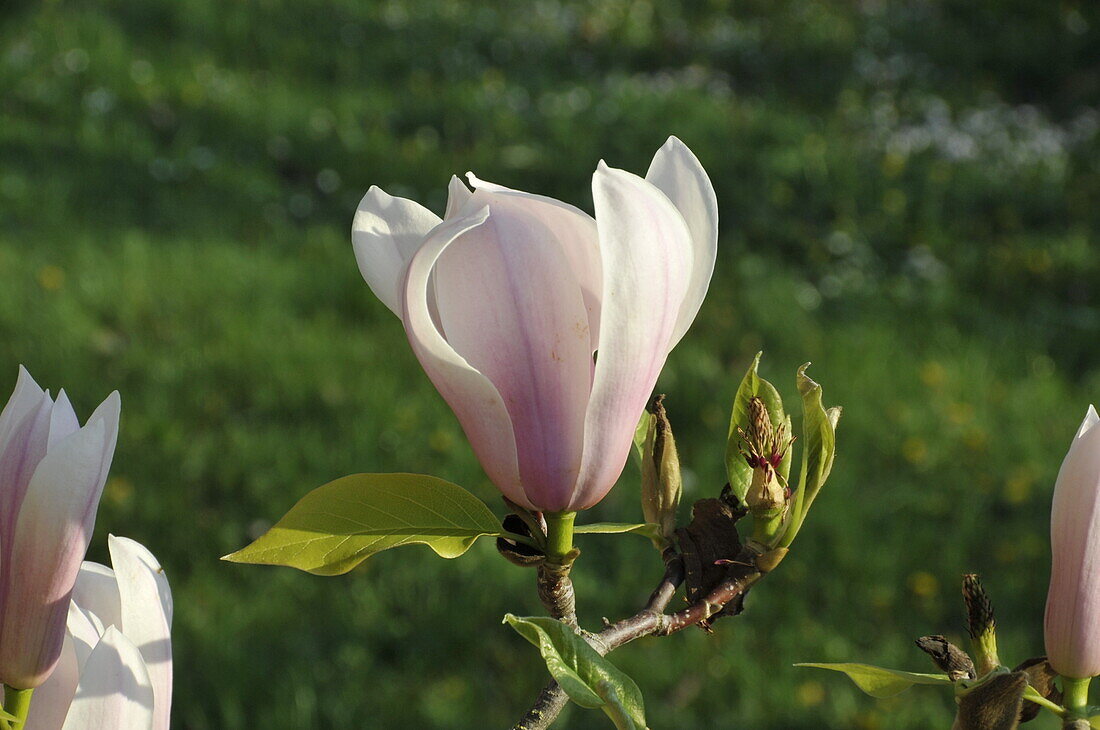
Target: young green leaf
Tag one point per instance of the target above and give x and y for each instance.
(880, 682)
(641, 431)
(589, 679)
(339, 525)
(646, 529)
(818, 450)
(737, 470)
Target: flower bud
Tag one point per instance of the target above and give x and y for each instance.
(52, 472)
(763, 447)
(1072, 624)
(662, 484)
(981, 624)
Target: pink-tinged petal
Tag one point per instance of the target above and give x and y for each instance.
(1072, 624)
(579, 239)
(647, 263)
(385, 234)
(678, 174)
(51, 536)
(146, 617)
(20, 453)
(26, 397)
(96, 592)
(457, 196)
(512, 308)
(63, 421)
(23, 449)
(474, 400)
(115, 690)
(52, 700)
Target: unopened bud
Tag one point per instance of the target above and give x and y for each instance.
(662, 484)
(980, 623)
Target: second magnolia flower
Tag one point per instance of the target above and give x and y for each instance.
(544, 328)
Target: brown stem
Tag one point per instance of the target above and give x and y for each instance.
(650, 621)
(556, 592)
(548, 705)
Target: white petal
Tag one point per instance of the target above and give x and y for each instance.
(85, 629)
(114, 690)
(96, 591)
(146, 616)
(108, 412)
(680, 176)
(1091, 419)
(647, 260)
(474, 400)
(63, 420)
(457, 196)
(385, 234)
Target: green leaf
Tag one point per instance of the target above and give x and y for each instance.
(339, 525)
(640, 433)
(589, 679)
(880, 682)
(646, 529)
(818, 450)
(7, 716)
(739, 472)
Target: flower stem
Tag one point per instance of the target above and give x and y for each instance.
(1075, 693)
(17, 702)
(559, 536)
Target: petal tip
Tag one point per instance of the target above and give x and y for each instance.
(1091, 419)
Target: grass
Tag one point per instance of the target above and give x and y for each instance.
(908, 200)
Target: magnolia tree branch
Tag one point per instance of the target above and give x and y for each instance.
(556, 592)
(652, 620)
(555, 589)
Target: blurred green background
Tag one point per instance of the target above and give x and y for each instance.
(909, 199)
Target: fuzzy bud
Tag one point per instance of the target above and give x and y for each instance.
(662, 484)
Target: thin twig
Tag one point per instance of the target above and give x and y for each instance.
(651, 621)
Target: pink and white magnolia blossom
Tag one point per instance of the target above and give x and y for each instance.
(1072, 622)
(542, 327)
(52, 472)
(116, 666)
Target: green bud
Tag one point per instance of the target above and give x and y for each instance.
(763, 448)
(756, 424)
(662, 484)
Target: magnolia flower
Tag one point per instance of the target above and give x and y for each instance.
(1073, 602)
(507, 299)
(52, 472)
(116, 667)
